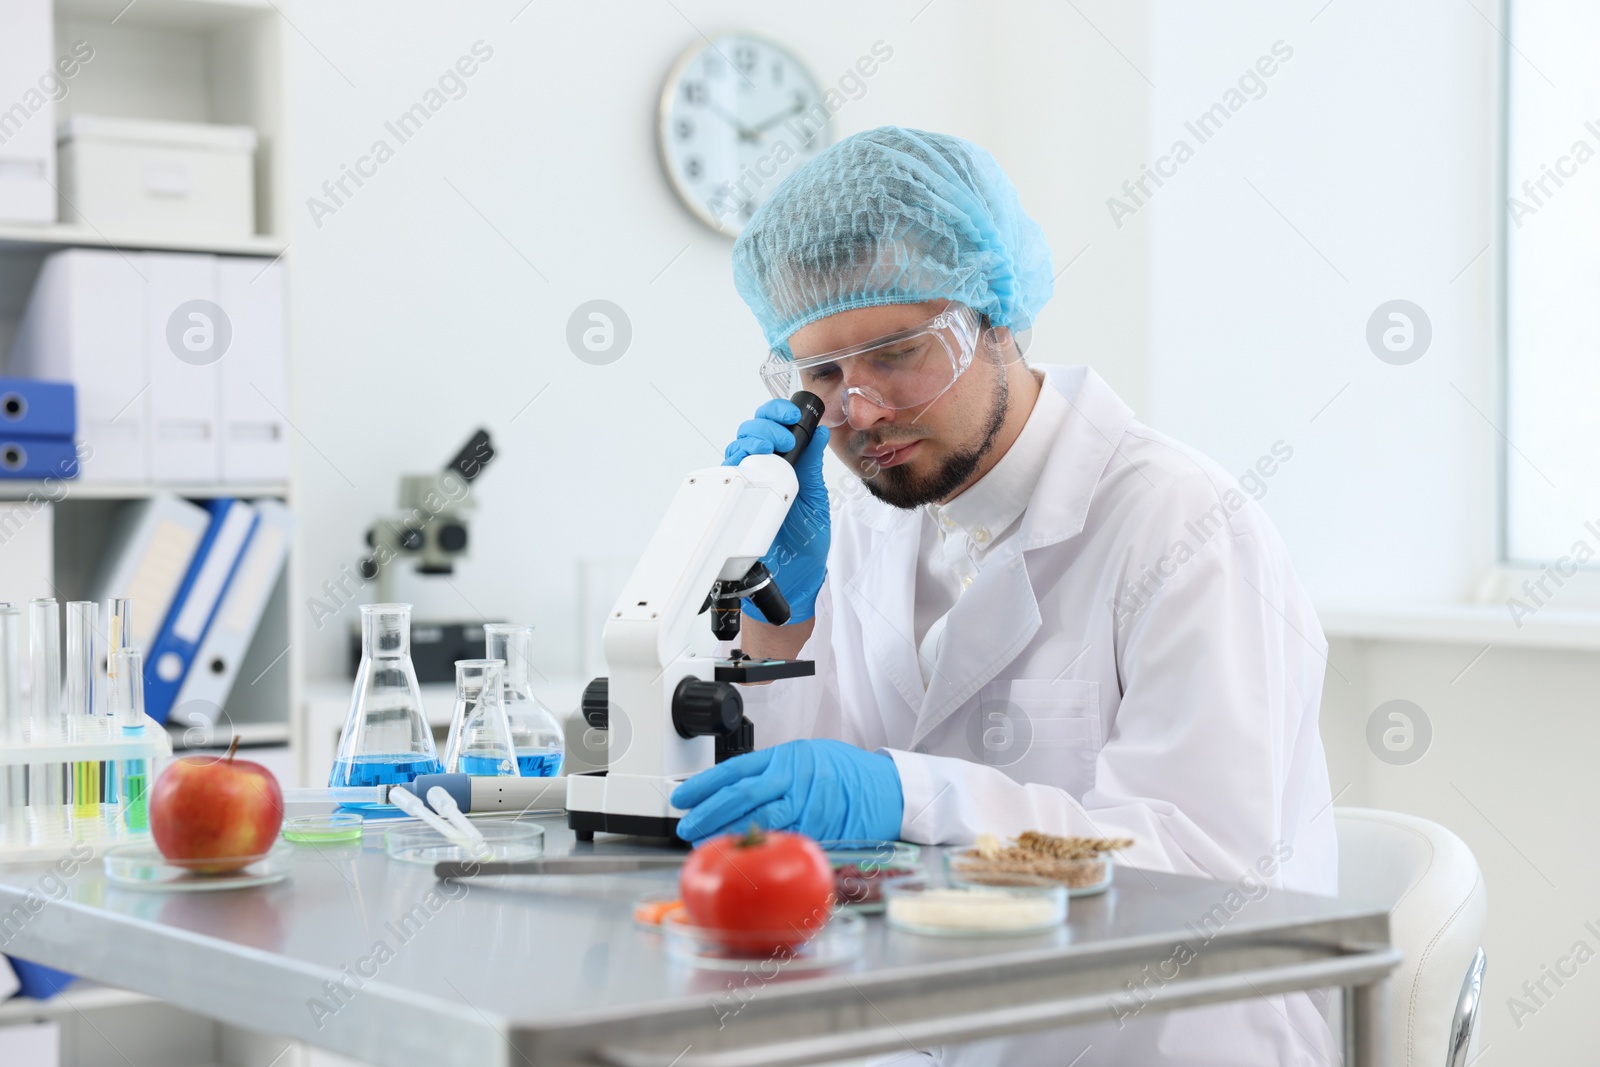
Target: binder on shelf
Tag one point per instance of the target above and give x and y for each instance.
(85, 323)
(196, 602)
(37, 457)
(148, 552)
(186, 334)
(9, 985)
(216, 666)
(37, 981)
(38, 408)
(254, 387)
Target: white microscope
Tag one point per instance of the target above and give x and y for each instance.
(669, 714)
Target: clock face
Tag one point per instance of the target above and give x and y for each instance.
(738, 114)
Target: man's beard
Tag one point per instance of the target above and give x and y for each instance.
(898, 487)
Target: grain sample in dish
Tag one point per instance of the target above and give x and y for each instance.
(1079, 863)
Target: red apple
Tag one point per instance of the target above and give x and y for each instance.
(215, 808)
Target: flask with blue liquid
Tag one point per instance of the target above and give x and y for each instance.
(535, 731)
(387, 739)
(480, 737)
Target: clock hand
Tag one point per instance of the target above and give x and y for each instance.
(744, 134)
(762, 127)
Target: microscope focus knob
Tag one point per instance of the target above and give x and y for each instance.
(701, 709)
(597, 704)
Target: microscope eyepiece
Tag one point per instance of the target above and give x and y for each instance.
(473, 457)
(810, 405)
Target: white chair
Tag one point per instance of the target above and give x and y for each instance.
(1431, 883)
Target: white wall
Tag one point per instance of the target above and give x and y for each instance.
(415, 319)
(1376, 142)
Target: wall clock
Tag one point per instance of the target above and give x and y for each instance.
(738, 114)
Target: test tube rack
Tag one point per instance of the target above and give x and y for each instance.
(46, 828)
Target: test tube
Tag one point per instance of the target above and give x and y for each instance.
(83, 617)
(46, 782)
(13, 779)
(126, 668)
(119, 635)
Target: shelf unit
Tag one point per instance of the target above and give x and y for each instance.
(17, 238)
(26, 490)
(180, 60)
(250, 735)
(218, 61)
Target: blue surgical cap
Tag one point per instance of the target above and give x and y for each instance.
(892, 216)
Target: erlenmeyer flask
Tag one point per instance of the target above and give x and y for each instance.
(386, 739)
(535, 731)
(480, 737)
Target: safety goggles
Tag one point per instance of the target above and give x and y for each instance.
(908, 369)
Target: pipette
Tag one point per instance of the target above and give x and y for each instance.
(338, 794)
(445, 805)
(411, 805)
(498, 793)
(479, 794)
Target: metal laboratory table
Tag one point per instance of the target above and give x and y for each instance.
(503, 977)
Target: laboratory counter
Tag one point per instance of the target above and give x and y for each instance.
(376, 959)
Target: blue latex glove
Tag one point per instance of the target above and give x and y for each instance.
(827, 790)
(798, 559)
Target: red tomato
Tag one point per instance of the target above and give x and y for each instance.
(761, 892)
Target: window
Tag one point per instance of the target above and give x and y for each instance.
(1552, 281)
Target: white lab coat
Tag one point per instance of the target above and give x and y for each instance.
(1138, 660)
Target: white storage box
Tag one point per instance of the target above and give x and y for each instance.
(27, 112)
(174, 179)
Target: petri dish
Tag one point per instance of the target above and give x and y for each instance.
(417, 843)
(1082, 877)
(142, 866)
(837, 941)
(334, 828)
(860, 868)
(872, 853)
(986, 905)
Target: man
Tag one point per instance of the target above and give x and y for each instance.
(1040, 614)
